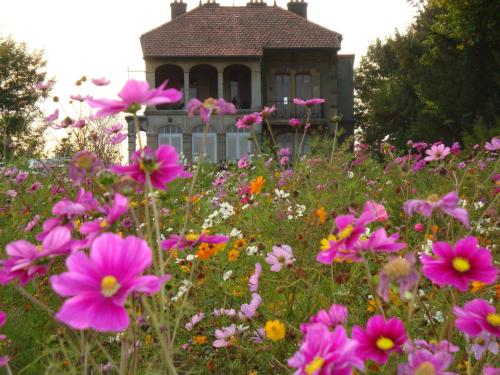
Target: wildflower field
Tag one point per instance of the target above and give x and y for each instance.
(362, 259)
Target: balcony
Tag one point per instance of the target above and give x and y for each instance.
(286, 110)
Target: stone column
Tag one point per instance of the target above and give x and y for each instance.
(186, 88)
(220, 85)
(131, 137)
(256, 88)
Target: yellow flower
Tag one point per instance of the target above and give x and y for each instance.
(372, 305)
(239, 243)
(275, 330)
(185, 269)
(256, 185)
(253, 372)
(233, 255)
(200, 340)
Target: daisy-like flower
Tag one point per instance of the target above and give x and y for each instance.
(253, 281)
(248, 310)
(424, 358)
(275, 330)
(162, 165)
(244, 162)
(83, 165)
(257, 184)
(380, 242)
(267, 111)
(484, 343)
(53, 116)
(379, 338)
(225, 336)
(448, 204)
(98, 286)
(476, 317)
(493, 145)
(308, 103)
(133, 96)
(400, 271)
(460, 265)
(250, 120)
(210, 107)
(195, 319)
(280, 256)
(190, 240)
(325, 352)
(438, 152)
(335, 316)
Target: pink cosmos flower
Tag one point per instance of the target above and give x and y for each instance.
(424, 358)
(493, 145)
(294, 122)
(44, 86)
(118, 138)
(224, 312)
(248, 310)
(83, 165)
(100, 81)
(34, 187)
(3, 318)
(134, 95)
(476, 317)
(78, 98)
(52, 117)
(437, 152)
(114, 129)
(398, 271)
(176, 242)
(266, 112)
(484, 343)
(380, 338)
(380, 242)
(32, 224)
(488, 370)
(162, 165)
(253, 281)
(195, 319)
(225, 336)
(99, 285)
(209, 107)
(21, 177)
(377, 210)
(308, 103)
(279, 257)
(448, 204)
(460, 265)
(78, 124)
(244, 162)
(248, 121)
(11, 193)
(335, 316)
(325, 352)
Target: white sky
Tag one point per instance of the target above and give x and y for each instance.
(100, 38)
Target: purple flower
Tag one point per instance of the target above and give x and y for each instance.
(484, 343)
(248, 310)
(488, 370)
(279, 257)
(448, 204)
(21, 177)
(424, 358)
(476, 317)
(455, 148)
(34, 187)
(209, 107)
(195, 319)
(249, 120)
(335, 316)
(493, 145)
(308, 103)
(225, 336)
(400, 271)
(253, 281)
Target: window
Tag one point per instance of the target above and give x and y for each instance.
(237, 143)
(287, 140)
(171, 135)
(283, 91)
(303, 86)
(211, 145)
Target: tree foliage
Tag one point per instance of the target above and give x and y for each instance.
(438, 81)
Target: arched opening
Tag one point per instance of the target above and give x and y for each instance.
(203, 82)
(238, 86)
(237, 143)
(175, 76)
(210, 146)
(171, 135)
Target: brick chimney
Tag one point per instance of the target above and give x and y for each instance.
(252, 3)
(177, 8)
(299, 7)
(211, 2)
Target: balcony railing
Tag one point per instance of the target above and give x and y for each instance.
(286, 110)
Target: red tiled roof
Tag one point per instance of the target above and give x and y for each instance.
(213, 30)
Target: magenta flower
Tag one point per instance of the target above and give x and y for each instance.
(162, 165)
(308, 103)
(114, 129)
(225, 336)
(448, 204)
(248, 310)
(244, 162)
(195, 319)
(493, 145)
(209, 107)
(294, 122)
(253, 281)
(34, 187)
(134, 95)
(476, 317)
(460, 265)
(380, 338)
(325, 352)
(44, 86)
(53, 116)
(380, 242)
(488, 370)
(100, 81)
(424, 358)
(176, 242)
(279, 257)
(99, 285)
(266, 112)
(21, 177)
(335, 316)
(248, 121)
(377, 210)
(118, 138)
(3, 318)
(398, 271)
(437, 152)
(83, 165)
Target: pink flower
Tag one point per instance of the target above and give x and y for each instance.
(380, 242)
(335, 316)
(134, 95)
(249, 120)
(493, 145)
(44, 86)
(477, 316)
(224, 312)
(448, 204)
(78, 98)
(266, 112)
(114, 129)
(308, 103)
(248, 310)
(11, 193)
(100, 81)
(279, 257)
(21, 177)
(83, 165)
(209, 107)
(99, 285)
(3, 318)
(162, 165)
(253, 281)
(34, 187)
(424, 358)
(294, 122)
(488, 370)
(118, 138)
(419, 227)
(437, 152)
(225, 336)
(377, 210)
(176, 242)
(380, 338)
(243, 163)
(52, 117)
(195, 319)
(32, 224)
(460, 265)
(325, 352)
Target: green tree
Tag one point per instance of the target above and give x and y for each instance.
(20, 70)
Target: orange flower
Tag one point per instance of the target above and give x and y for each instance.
(435, 229)
(200, 340)
(205, 251)
(497, 288)
(233, 255)
(239, 243)
(477, 286)
(321, 215)
(256, 185)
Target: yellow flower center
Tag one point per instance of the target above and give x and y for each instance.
(426, 368)
(103, 224)
(39, 248)
(192, 237)
(346, 232)
(494, 319)
(314, 365)
(109, 286)
(383, 343)
(433, 198)
(461, 264)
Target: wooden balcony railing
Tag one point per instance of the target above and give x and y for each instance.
(286, 110)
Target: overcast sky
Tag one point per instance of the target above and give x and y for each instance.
(101, 37)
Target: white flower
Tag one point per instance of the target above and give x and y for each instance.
(226, 210)
(350, 174)
(190, 257)
(244, 207)
(427, 247)
(235, 232)
(227, 275)
(281, 194)
(252, 250)
(478, 205)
